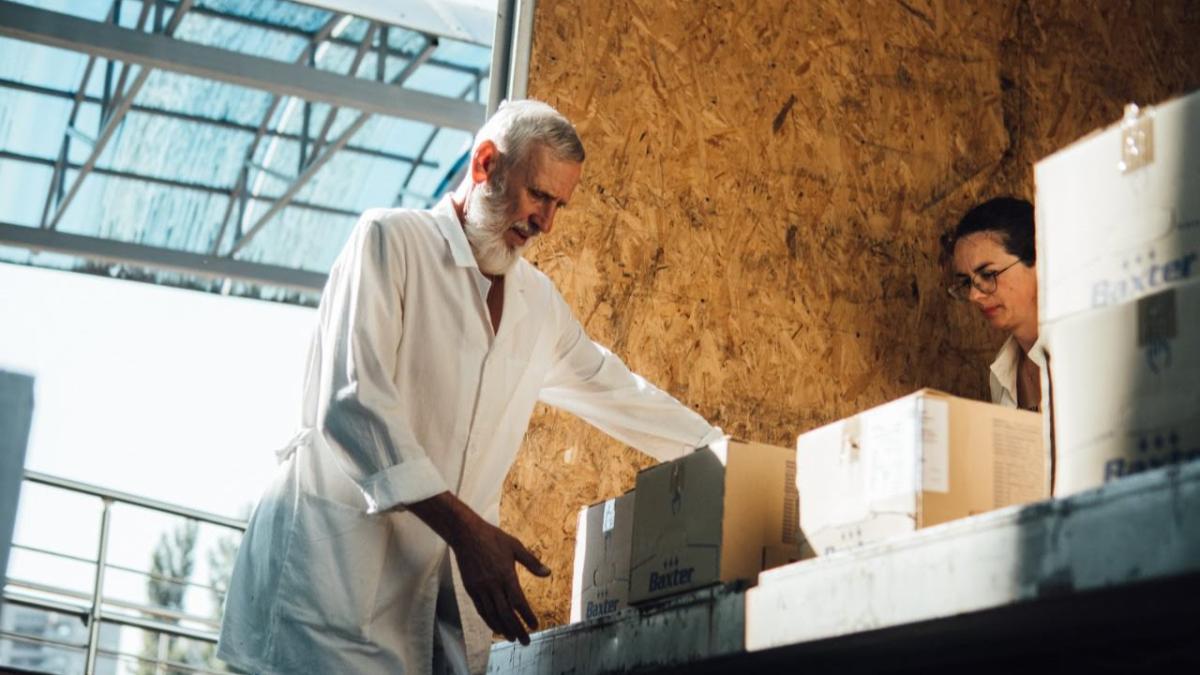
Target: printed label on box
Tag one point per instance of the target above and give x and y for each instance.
(889, 438)
(935, 439)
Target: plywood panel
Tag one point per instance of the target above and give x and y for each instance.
(756, 230)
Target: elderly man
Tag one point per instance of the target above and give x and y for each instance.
(375, 549)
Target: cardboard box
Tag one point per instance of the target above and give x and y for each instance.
(917, 461)
(715, 515)
(1118, 213)
(1126, 388)
(600, 583)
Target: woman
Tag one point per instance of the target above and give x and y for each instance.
(992, 251)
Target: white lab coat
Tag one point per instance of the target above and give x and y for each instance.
(409, 394)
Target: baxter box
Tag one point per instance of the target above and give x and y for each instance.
(1118, 212)
(917, 461)
(1126, 392)
(600, 583)
(721, 513)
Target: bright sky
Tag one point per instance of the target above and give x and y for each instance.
(177, 395)
(138, 386)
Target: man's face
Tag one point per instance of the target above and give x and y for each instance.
(507, 212)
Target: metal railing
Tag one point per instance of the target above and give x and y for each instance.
(93, 607)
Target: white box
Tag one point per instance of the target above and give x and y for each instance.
(1118, 212)
(1126, 394)
(917, 461)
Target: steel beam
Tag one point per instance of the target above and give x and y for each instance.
(412, 170)
(210, 267)
(110, 117)
(172, 183)
(208, 121)
(237, 195)
(157, 51)
(341, 41)
(315, 165)
(54, 191)
(323, 135)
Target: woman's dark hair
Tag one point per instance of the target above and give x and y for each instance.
(1009, 217)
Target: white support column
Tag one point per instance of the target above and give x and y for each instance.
(16, 417)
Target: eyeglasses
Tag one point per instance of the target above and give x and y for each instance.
(985, 281)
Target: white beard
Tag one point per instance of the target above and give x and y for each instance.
(486, 221)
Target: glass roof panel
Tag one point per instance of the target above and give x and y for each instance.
(435, 79)
(301, 238)
(22, 190)
(153, 144)
(47, 66)
(289, 14)
(196, 96)
(172, 165)
(20, 126)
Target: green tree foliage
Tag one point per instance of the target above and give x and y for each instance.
(171, 567)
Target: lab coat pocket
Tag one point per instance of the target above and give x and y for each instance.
(331, 573)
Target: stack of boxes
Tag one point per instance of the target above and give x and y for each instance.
(728, 512)
(1118, 222)
(716, 515)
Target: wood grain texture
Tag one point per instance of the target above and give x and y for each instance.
(757, 226)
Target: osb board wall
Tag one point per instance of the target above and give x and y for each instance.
(756, 229)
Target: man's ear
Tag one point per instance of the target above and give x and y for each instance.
(483, 161)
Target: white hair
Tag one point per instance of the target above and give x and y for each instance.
(518, 126)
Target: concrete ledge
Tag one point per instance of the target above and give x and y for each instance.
(674, 632)
(1138, 529)
(1107, 579)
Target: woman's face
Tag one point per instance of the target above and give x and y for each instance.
(1013, 305)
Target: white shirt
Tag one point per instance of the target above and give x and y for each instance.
(409, 394)
(1005, 370)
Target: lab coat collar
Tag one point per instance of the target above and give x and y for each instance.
(451, 228)
(1004, 368)
(514, 297)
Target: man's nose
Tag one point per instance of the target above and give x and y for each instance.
(545, 218)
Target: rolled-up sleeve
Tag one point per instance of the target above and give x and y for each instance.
(592, 383)
(360, 410)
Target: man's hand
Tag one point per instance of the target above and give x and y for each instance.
(487, 558)
(487, 562)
